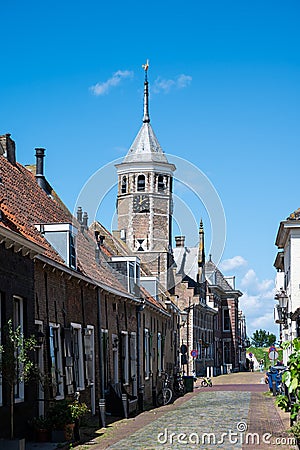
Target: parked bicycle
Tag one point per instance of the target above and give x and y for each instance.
(206, 381)
(178, 384)
(165, 395)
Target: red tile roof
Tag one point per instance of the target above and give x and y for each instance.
(23, 203)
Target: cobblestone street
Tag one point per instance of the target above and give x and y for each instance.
(236, 413)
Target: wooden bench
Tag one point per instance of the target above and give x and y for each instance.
(119, 402)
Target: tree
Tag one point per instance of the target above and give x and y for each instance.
(290, 401)
(262, 338)
(15, 362)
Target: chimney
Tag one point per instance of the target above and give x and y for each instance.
(39, 175)
(79, 214)
(8, 148)
(85, 220)
(97, 254)
(179, 241)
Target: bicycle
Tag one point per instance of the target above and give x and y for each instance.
(206, 381)
(165, 395)
(178, 384)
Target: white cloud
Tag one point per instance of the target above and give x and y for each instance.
(250, 281)
(250, 303)
(232, 263)
(104, 87)
(183, 81)
(180, 82)
(265, 322)
(258, 306)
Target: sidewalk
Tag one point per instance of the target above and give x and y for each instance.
(236, 413)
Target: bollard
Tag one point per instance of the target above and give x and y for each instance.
(154, 396)
(274, 387)
(141, 398)
(102, 412)
(124, 401)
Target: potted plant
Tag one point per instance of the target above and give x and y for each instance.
(15, 367)
(291, 379)
(295, 430)
(64, 415)
(42, 427)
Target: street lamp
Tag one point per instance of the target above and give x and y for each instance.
(184, 316)
(246, 343)
(282, 306)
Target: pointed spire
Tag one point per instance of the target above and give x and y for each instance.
(146, 118)
(201, 255)
(201, 252)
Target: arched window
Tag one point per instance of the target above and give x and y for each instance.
(124, 185)
(141, 183)
(160, 183)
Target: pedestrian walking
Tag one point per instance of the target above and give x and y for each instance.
(251, 364)
(261, 365)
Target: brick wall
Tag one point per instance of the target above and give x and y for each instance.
(16, 278)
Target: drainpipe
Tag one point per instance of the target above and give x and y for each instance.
(101, 362)
(140, 386)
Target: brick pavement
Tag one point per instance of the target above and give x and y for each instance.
(238, 405)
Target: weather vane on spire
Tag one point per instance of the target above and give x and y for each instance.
(146, 118)
(146, 67)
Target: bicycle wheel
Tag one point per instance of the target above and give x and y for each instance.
(168, 396)
(164, 398)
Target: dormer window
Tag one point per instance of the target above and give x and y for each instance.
(128, 269)
(141, 183)
(124, 185)
(62, 237)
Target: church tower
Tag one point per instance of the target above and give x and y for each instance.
(144, 202)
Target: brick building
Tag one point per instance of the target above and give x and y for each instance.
(108, 308)
(99, 325)
(212, 320)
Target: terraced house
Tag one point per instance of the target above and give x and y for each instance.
(110, 311)
(96, 325)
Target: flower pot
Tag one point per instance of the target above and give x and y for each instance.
(42, 435)
(69, 431)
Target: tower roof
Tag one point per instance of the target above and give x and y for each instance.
(146, 147)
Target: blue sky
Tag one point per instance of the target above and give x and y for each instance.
(225, 94)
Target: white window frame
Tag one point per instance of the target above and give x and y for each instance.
(146, 353)
(90, 334)
(40, 360)
(78, 364)
(125, 357)
(133, 362)
(19, 387)
(58, 361)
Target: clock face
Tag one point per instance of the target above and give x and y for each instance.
(141, 203)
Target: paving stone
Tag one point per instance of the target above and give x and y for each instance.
(207, 419)
(238, 412)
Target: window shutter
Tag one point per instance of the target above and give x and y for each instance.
(69, 362)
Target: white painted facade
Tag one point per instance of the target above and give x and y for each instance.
(287, 264)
